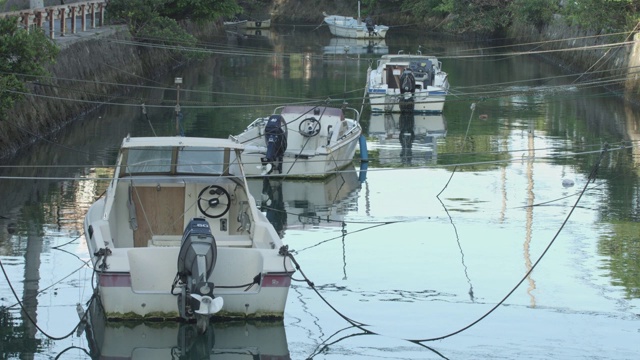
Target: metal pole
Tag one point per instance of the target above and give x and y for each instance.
(178, 81)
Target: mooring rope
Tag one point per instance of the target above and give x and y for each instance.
(284, 251)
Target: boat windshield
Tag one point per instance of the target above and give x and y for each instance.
(188, 160)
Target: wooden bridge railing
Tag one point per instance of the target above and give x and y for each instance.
(59, 18)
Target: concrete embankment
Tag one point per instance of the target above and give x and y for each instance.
(614, 58)
(86, 70)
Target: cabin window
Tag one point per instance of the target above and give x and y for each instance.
(149, 160)
(197, 160)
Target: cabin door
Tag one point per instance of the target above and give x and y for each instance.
(159, 211)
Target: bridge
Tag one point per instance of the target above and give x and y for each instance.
(62, 20)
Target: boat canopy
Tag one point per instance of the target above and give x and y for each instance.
(168, 156)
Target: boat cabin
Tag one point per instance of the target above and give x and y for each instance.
(160, 184)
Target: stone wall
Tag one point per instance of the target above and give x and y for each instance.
(86, 73)
(580, 51)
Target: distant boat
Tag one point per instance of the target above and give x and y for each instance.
(346, 26)
(248, 24)
(403, 82)
(258, 24)
(300, 141)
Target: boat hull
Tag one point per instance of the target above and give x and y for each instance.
(318, 155)
(388, 101)
(426, 93)
(308, 166)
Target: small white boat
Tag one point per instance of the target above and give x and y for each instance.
(178, 235)
(407, 82)
(258, 24)
(349, 27)
(248, 24)
(300, 141)
(236, 24)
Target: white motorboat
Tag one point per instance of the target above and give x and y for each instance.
(258, 24)
(178, 235)
(248, 24)
(300, 141)
(403, 82)
(296, 204)
(349, 27)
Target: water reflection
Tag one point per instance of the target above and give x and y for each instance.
(291, 204)
(178, 340)
(340, 46)
(399, 136)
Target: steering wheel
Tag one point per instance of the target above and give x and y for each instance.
(309, 127)
(214, 201)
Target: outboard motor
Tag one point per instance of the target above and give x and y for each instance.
(370, 25)
(407, 82)
(276, 139)
(196, 260)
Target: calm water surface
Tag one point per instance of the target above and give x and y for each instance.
(434, 242)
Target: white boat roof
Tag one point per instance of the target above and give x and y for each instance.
(182, 141)
(407, 57)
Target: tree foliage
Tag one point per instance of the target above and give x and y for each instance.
(478, 16)
(23, 55)
(199, 10)
(159, 20)
(603, 15)
(534, 12)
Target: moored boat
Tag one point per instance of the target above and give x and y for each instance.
(403, 82)
(247, 24)
(258, 24)
(300, 141)
(349, 27)
(177, 235)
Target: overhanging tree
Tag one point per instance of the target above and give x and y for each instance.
(23, 57)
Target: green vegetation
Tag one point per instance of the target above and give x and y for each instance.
(603, 15)
(494, 16)
(158, 21)
(22, 55)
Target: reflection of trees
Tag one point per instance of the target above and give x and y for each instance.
(15, 340)
(623, 250)
(621, 210)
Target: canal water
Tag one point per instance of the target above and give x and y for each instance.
(507, 227)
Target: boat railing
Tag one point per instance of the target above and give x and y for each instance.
(356, 113)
